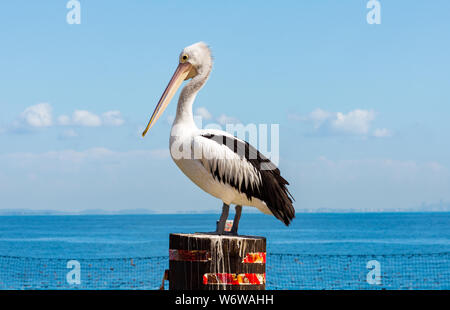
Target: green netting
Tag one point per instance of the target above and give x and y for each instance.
(284, 271)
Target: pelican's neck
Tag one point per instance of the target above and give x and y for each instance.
(187, 97)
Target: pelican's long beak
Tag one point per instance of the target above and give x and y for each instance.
(183, 72)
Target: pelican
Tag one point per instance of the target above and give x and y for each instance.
(224, 166)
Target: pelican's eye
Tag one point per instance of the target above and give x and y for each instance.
(184, 58)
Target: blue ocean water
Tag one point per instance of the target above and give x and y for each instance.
(108, 236)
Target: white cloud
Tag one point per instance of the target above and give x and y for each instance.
(112, 118)
(354, 122)
(203, 112)
(39, 115)
(86, 118)
(382, 133)
(318, 116)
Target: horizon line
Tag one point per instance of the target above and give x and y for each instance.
(10, 212)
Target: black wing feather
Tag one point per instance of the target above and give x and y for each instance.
(273, 190)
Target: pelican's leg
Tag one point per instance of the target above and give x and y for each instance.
(223, 219)
(237, 217)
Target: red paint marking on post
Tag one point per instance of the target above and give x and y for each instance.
(189, 256)
(234, 279)
(255, 258)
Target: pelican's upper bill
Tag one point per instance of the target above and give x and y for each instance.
(195, 60)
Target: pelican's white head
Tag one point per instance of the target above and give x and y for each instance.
(199, 56)
(195, 62)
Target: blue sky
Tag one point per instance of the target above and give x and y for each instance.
(363, 109)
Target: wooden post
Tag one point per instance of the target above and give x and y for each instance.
(212, 262)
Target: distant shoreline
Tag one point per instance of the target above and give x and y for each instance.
(11, 212)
